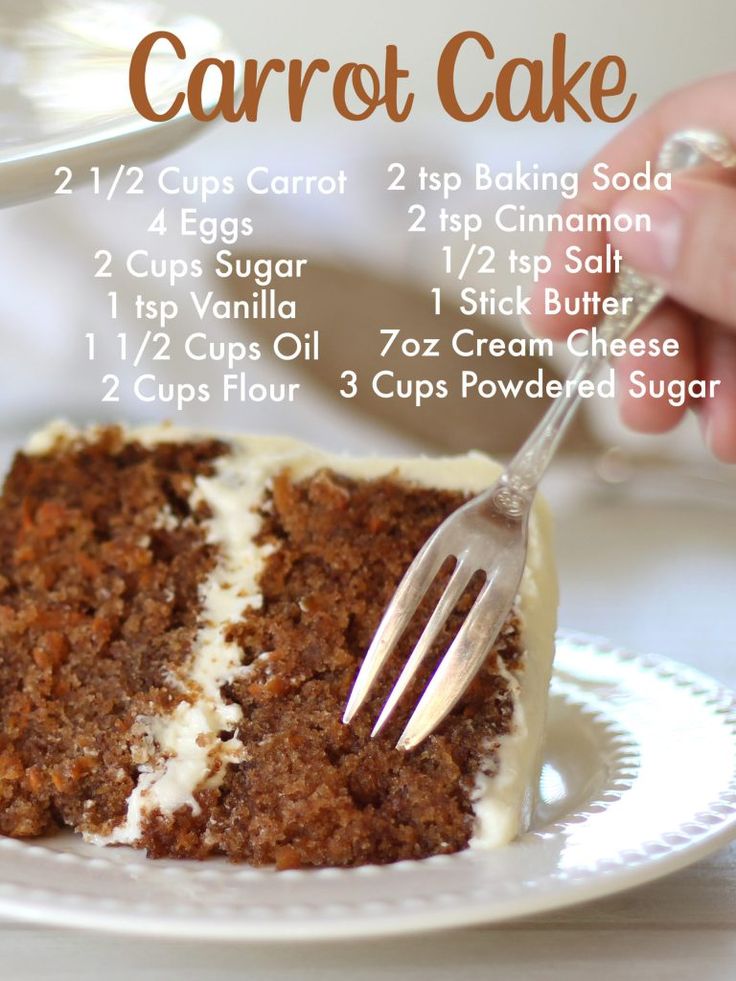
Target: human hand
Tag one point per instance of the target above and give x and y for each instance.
(690, 251)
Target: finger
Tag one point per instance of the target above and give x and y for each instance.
(718, 414)
(691, 247)
(563, 287)
(648, 414)
(706, 105)
(698, 106)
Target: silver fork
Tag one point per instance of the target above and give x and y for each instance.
(489, 533)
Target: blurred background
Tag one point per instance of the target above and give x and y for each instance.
(645, 525)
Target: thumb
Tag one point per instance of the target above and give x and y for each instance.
(691, 248)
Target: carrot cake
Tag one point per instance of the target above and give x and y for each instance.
(181, 620)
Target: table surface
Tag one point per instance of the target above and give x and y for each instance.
(683, 926)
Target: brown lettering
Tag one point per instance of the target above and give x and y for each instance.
(561, 85)
(362, 83)
(137, 76)
(253, 82)
(393, 75)
(534, 89)
(299, 82)
(352, 74)
(446, 76)
(600, 91)
(224, 105)
(365, 83)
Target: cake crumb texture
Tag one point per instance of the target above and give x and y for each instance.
(104, 561)
(310, 790)
(101, 559)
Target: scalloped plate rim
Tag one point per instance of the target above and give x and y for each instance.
(33, 906)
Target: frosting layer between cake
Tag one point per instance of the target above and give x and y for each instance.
(193, 744)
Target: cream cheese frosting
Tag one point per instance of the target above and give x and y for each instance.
(188, 752)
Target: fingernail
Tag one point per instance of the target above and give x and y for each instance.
(653, 244)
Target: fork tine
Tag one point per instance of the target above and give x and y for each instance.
(474, 640)
(409, 593)
(461, 576)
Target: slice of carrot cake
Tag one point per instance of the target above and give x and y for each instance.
(181, 620)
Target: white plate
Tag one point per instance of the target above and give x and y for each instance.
(65, 99)
(639, 779)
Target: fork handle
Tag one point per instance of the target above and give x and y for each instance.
(526, 469)
(514, 492)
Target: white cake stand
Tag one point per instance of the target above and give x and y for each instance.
(64, 99)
